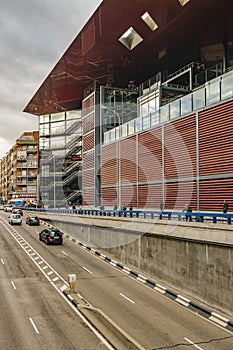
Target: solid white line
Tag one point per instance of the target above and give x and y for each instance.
(195, 345)
(127, 298)
(84, 268)
(33, 325)
(2, 262)
(64, 253)
(13, 284)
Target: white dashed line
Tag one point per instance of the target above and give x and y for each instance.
(2, 262)
(64, 253)
(13, 284)
(84, 268)
(130, 300)
(49, 273)
(195, 345)
(45, 267)
(33, 325)
(55, 279)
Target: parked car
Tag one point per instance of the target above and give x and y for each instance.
(17, 211)
(51, 236)
(15, 219)
(32, 220)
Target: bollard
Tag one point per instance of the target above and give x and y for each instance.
(71, 281)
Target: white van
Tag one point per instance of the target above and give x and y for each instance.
(15, 219)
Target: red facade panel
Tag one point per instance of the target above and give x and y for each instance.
(128, 196)
(150, 156)
(149, 196)
(109, 196)
(88, 124)
(88, 178)
(128, 164)
(215, 140)
(88, 160)
(89, 197)
(179, 193)
(109, 165)
(180, 148)
(214, 192)
(88, 105)
(88, 142)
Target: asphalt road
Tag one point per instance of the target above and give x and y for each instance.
(155, 321)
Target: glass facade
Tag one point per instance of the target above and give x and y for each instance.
(214, 91)
(60, 140)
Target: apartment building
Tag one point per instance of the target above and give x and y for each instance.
(19, 170)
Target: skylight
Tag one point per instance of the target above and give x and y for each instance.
(149, 21)
(183, 2)
(130, 39)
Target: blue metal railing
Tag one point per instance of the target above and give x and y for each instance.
(164, 215)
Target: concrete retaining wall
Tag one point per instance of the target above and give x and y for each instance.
(193, 258)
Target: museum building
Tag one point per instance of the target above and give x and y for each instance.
(138, 112)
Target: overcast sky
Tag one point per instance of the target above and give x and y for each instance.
(34, 35)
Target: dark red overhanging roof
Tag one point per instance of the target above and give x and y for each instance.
(184, 34)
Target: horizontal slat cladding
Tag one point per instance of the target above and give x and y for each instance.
(149, 196)
(179, 193)
(214, 192)
(215, 140)
(89, 197)
(128, 196)
(150, 156)
(88, 124)
(109, 165)
(88, 105)
(88, 178)
(88, 142)
(180, 148)
(88, 160)
(128, 166)
(109, 196)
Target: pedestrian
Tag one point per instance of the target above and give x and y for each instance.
(188, 209)
(225, 207)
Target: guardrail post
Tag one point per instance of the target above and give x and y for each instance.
(161, 216)
(179, 217)
(152, 216)
(214, 219)
(137, 214)
(229, 220)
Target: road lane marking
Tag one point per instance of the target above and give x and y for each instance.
(2, 262)
(195, 345)
(64, 253)
(33, 325)
(49, 273)
(13, 284)
(84, 268)
(130, 300)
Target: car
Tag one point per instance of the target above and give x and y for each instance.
(32, 220)
(8, 207)
(17, 211)
(51, 236)
(15, 219)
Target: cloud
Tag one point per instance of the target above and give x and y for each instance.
(34, 35)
